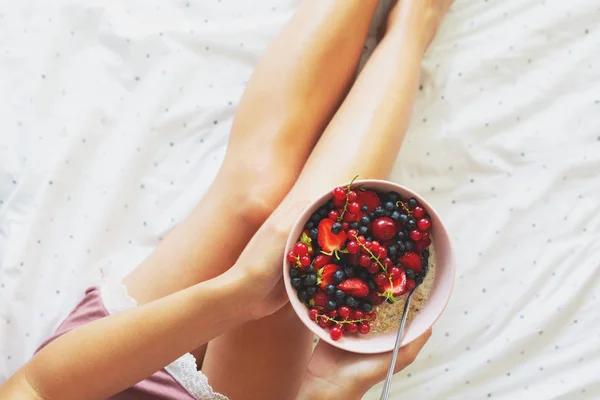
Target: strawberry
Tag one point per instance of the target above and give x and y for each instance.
(376, 298)
(397, 287)
(320, 299)
(325, 275)
(422, 244)
(321, 260)
(411, 260)
(329, 241)
(354, 287)
(410, 284)
(370, 199)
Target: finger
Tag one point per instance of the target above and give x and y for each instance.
(408, 354)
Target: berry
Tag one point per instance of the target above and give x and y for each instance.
(375, 246)
(291, 257)
(401, 235)
(394, 288)
(294, 273)
(332, 314)
(392, 250)
(412, 203)
(411, 223)
(415, 235)
(323, 321)
(352, 196)
(331, 305)
(371, 316)
(323, 211)
(344, 311)
(354, 287)
(418, 279)
(395, 215)
(336, 228)
(382, 252)
(315, 217)
(309, 225)
(380, 279)
(354, 208)
(321, 260)
(411, 260)
(330, 289)
(394, 271)
(313, 233)
(320, 299)
(351, 302)
(313, 314)
(349, 271)
(352, 233)
(379, 212)
(370, 199)
(357, 315)
(303, 296)
(424, 224)
(333, 215)
(301, 249)
(335, 332)
(410, 285)
(345, 226)
(339, 294)
(310, 280)
(373, 268)
(353, 225)
(418, 212)
(364, 221)
(363, 230)
(364, 260)
(387, 262)
(371, 284)
(408, 245)
(364, 209)
(403, 219)
(364, 328)
(339, 193)
(389, 206)
(353, 259)
(375, 298)
(297, 283)
(305, 261)
(339, 276)
(351, 327)
(384, 228)
(422, 244)
(366, 307)
(328, 240)
(311, 290)
(410, 274)
(353, 247)
(338, 203)
(425, 236)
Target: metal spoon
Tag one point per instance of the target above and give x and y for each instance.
(385, 393)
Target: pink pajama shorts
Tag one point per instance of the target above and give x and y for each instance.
(179, 380)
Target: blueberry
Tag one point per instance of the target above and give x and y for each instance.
(330, 289)
(349, 271)
(310, 280)
(418, 279)
(393, 196)
(395, 215)
(353, 225)
(403, 218)
(324, 211)
(331, 305)
(339, 294)
(425, 270)
(408, 245)
(311, 290)
(369, 238)
(315, 217)
(388, 214)
(303, 296)
(426, 253)
(401, 247)
(410, 274)
(392, 249)
(379, 212)
(424, 262)
(310, 268)
(364, 275)
(412, 203)
(371, 284)
(366, 307)
(309, 225)
(372, 216)
(411, 223)
(363, 230)
(313, 233)
(294, 272)
(364, 209)
(297, 283)
(336, 228)
(330, 205)
(339, 276)
(351, 302)
(389, 206)
(401, 235)
(364, 220)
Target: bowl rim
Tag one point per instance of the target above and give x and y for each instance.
(299, 307)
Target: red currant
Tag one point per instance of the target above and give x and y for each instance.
(375, 245)
(339, 202)
(364, 260)
(291, 257)
(380, 279)
(358, 315)
(361, 239)
(339, 193)
(364, 328)
(394, 272)
(323, 321)
(369, 245)
(333, 215)
(425, 236)
(332, 313)
(387, 262)
(382, 253)
(352, 233)
(354, 208)
(352, 196)
(349, 217)
(351, 327)
(415, 235)
(345, 226)
(336, 332)
(371, 316)
(424, 224)
(301, 249)
(353, 248)
(344, 311)
(313, 314)
(418, 212)
(305, 261)
(373, 268)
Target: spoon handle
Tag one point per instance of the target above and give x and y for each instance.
(385, 393)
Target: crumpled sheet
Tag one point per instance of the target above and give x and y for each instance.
(114, 118)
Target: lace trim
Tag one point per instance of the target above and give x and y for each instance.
(116, 299)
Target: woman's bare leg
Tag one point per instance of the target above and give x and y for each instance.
(292, 95)
(266, 359)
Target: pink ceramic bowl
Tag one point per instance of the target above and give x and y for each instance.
(440, 294)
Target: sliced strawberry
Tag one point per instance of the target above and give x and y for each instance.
(375, 298)
(320, 300)
(321, 260)
(398, 286)
(354, 287)
(325, 275)
(329, 241)
(411, 260)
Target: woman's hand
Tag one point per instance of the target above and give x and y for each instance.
(337, 374)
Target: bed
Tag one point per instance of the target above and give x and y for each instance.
(114, 119)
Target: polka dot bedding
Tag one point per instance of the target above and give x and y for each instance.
(115, 117)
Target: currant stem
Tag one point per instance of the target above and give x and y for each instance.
(376, 259)
(348, 188)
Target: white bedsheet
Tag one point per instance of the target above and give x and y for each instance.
(114, 118)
